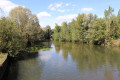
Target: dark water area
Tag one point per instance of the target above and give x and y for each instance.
(68, 61)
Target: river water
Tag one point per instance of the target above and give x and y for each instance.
(68, 61)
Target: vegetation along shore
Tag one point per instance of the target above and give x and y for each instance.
(20, 31)
(88, 28)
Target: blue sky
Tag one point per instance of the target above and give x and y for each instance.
(50, 12)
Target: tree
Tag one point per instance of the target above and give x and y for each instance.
(21, 16)
(57, 31)
(47, 32)
(98, 31)
(118, 24)
(108, 13)
(27, 22)
(11, 40)
(74, 31)
(89, 28)
(63, 33)
(114, 28)
(32, 27)
(69, 33)
(20, 30)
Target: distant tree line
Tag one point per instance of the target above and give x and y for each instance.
(19, 30)
(88, 28)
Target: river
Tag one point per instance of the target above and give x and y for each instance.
(68, 61)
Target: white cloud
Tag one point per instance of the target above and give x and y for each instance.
(66, 17)
(44, 22)
(7, 5)
(61, 10)
(58, 5)
(43, 14)
(67, 4)
(51, 21)
(51, 7)
(87, 9)
(54, 6)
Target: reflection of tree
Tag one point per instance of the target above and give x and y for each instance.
(90, 57)
(64, 47)
(28, 69)
(57, 46)
(57, 49)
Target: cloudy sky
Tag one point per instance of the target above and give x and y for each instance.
(50, 12)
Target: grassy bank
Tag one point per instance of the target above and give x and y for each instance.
(116, 42)
(37, 48)
(2, 58)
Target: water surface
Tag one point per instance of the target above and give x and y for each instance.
(69, 61)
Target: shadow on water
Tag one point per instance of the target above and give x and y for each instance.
(68, 61)
(11, 69)
(27, 67)
(25, 55)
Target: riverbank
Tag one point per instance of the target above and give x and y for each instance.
(3, 63)
(3, 57)
(29, 53)
(116, 43)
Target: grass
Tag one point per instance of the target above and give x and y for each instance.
(44, 49)
(36, 48)
(2, 58)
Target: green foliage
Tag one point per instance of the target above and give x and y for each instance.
(87, 28)
(37, 47)
(98, 31)
(19, 30)
(11, 40)
(27, 22)
(56, 34)
(47, 32)
(63, 32)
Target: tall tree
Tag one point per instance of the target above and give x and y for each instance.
(98, 31)
(108, 13)
(11, 40)
(47, 32)
(27, 22)
(63, 32)
(21, 15)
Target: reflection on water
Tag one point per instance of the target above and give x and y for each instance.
(69, 61)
